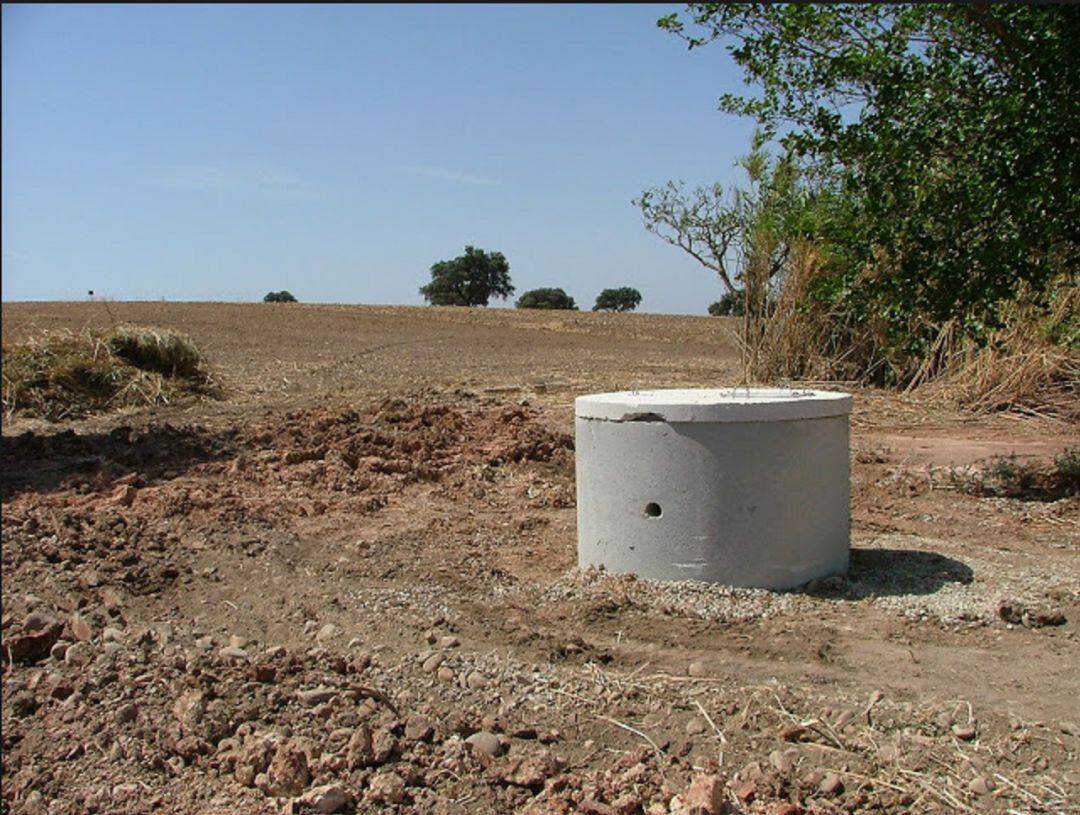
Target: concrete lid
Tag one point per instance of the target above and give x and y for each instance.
(713, 405)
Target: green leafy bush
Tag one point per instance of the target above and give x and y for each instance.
(279, 297)
(547, 298)
(730, 305)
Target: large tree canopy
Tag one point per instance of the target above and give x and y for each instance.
(469, 280)
(949, 132)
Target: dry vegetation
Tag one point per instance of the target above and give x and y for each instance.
(63, 374)
(350, 585)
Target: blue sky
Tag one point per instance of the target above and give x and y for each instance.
(220, 152)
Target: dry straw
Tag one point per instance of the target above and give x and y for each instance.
(63, 375)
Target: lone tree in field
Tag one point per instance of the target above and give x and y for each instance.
(279, 297)
(621, 299)
(547, 298)
(469, 280)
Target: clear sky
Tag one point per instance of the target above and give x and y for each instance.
(219, 152)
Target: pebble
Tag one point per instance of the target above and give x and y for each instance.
(34, 804)
(288, 773)
(698, 669)
(326, 799)
(476, 680)
(37, 621)
(449, 641)
(831, 784)
(327, 632)
(965, 732)
(487, 743)
(58, 651)
(126, 713)
(387, 787)
(80, 628)
(432, 663)
(706, 795)
(204, 644)
(112, 634)
(79, 653)
(981, 785)
(744, 790)
(695, 727)
(418, 728)
(190, 708)
(316, 696)
(445, 673)
(264, 672)
(112, 648)
(784, 760)
(234, 653)
(236, 641)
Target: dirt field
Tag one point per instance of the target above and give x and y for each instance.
(351, 586)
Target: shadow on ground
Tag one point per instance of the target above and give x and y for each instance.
(43, 462)
(891, 573)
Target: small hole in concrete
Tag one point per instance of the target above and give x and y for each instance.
(652, 510)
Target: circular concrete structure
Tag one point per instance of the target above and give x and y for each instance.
(747, 487)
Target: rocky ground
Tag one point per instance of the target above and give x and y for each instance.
(363, 598)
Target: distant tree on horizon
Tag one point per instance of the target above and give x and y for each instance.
(621, 299)
(470, 279)
(279, 297)
(732, 304)
(547, 298)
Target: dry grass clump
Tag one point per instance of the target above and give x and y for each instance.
(790, 335)
(66, 375)
(164, 351)
(1030, 365)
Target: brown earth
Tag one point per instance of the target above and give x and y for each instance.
(305, 597)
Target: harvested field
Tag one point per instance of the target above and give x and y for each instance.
(350, 585)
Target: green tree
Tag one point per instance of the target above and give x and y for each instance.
(547, 298)
(470, 279)
(624, 298)
(730, 305)
(948, 133)
(279, 297)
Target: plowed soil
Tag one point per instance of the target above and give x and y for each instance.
(351, 586)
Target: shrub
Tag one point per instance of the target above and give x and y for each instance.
(547, 298)
(279, 297)
(622, 299)
(1006, 477)
(730, 305)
